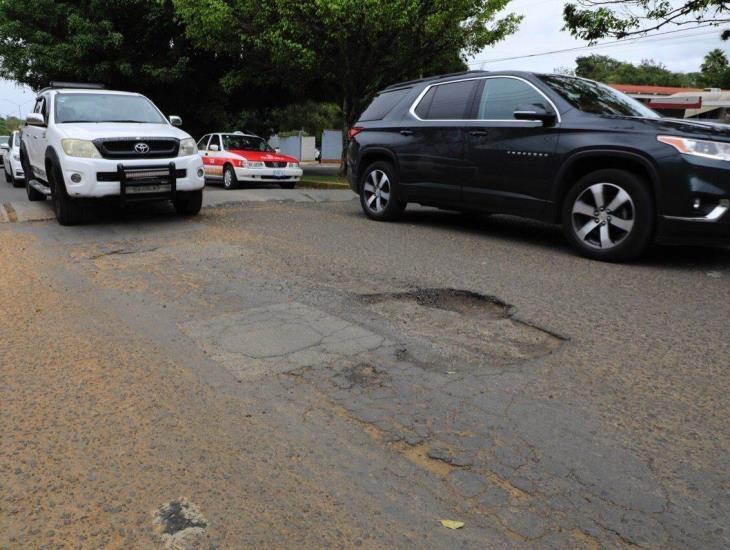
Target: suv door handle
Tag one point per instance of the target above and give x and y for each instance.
(478, 133)
(406, 132)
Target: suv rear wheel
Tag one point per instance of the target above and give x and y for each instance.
(609, 215)
(377, 192)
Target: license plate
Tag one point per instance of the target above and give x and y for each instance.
(278, 173)
(135, 189)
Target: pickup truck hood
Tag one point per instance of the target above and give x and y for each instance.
(92, 131)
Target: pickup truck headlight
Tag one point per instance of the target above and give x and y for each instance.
(187, 147)
(716, 150)
(292, 165)
(80, 148)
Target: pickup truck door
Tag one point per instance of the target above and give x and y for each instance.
(35, 142)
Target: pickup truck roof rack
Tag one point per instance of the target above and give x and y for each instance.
(55, 85)
(430, 78)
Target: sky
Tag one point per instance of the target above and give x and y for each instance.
(540, 31)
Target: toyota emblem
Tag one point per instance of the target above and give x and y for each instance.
(142, 148)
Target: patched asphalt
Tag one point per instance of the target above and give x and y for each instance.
(307, 377)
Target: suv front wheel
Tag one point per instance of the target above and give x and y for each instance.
(609, 215)
(377, 192)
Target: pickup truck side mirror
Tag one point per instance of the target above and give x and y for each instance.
(535, 111)
(35, 119)
(175, 120)
(214, 148)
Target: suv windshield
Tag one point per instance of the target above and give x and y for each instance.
(106, 108)
(245, 143)
(599, 99)
(16, 139)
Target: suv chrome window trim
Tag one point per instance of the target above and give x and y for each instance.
(412, 110)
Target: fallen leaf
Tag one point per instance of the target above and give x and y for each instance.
(452, 523)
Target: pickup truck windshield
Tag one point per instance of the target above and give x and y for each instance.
(595, 98)
(245, 143)
(106, 108)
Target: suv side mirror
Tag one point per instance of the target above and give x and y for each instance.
(35, 119)
(175, 120)
(213, 147)
(535, 111)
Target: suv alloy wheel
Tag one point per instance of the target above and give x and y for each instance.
(608, 215)
(377, 192)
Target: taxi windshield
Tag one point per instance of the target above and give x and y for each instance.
(245, 143)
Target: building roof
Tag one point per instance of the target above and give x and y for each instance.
(652, 90)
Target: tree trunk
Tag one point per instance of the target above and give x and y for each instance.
(346, 114)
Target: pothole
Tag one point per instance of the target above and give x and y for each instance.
(464, 302)
(464, 326)
(180, 524)
(363, 375)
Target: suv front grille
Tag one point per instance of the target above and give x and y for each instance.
(271, 164)
(126, 148)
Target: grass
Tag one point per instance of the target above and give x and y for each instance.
(324, 180)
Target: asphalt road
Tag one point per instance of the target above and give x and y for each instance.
(292, 374)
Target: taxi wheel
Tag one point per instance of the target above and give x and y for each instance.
(229, 178)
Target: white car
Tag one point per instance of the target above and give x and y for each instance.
(239, 157)
(11, 160)
(83, 142)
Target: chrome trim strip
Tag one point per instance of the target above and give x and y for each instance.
(412, 110)
(716, 213)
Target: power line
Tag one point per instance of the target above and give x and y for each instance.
(613, 43)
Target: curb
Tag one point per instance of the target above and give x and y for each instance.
(314, 184)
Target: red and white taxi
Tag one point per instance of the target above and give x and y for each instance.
(238, 157)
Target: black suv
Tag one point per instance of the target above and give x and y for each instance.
(556, 148)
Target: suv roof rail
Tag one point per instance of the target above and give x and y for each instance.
(55, 85)
(429, 78)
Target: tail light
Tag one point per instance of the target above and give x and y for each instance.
(352, 132)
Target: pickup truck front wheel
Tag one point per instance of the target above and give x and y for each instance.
(189, 203)
(68, 211)
(33, 194)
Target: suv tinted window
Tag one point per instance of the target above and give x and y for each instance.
(502, 96)
(383, 104)
(592, 97)
(447, 101)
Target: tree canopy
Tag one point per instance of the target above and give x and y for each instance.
(714, 72)
(594, 19)
(343, 50)
(126, 44)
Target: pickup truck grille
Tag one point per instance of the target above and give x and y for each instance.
(270, 164)
(142, 148)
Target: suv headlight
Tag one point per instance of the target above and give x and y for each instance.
(80, 148)
(187, 147)
(292, 165)
(715, 150)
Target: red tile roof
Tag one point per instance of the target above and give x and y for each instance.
(656, 90)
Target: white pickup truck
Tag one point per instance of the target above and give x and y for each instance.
(83, 142)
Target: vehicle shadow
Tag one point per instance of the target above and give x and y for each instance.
(522, 230)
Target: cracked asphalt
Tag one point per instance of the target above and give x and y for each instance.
(291, 374)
